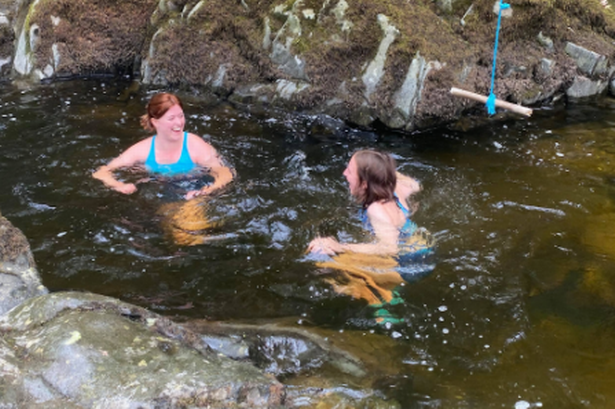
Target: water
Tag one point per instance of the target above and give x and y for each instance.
(518, 312)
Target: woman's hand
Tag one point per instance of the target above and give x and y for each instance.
(406, 186)
(192, 194)
(126, 188)
(325, 245)
(195, 193)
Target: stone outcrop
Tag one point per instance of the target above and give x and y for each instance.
(363, 62)
(94, 351)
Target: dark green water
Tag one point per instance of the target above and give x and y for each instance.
(520, 307)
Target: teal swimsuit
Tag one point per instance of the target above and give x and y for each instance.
(406, 230)
(413, 257)
(182, 166)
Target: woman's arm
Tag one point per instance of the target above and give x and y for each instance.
(385, 231)
(406, 186)
(206, 156)
(130, 157)
(330, 246)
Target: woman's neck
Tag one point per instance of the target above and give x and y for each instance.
(168, 142)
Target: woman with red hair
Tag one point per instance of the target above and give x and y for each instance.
(172, 151)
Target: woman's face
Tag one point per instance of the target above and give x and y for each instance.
(352, 176)
(171, 123)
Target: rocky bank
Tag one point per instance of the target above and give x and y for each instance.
(366, 62)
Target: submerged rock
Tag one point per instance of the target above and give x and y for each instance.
(321, 374)
(277, 350)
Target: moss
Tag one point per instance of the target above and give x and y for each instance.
(220, 32)
(26, 26)
(95, 37)
(6, 41)
(554, 18)
(300, 45)
(288, 4)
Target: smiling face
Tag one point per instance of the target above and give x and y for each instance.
(171, 123)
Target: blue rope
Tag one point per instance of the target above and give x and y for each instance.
(491, 99)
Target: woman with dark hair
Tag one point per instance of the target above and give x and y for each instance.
(382, 192)
(372, 271)
(172, 151)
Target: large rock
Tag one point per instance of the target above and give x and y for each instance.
(589, 62)
(583, 87)
(309, 360)
(88, 351)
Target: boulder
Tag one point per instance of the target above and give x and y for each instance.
(583, 87)
(89, 351)
(281, 351)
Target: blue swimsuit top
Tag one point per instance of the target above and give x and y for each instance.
(183, 165)
(414, 247)
(405, 231)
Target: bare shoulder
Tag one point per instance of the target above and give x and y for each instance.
(386, 213)
(198, 143)
(201, 151)
(384, 221)
(377, 211)
(137, 153)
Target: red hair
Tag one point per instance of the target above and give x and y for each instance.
(157, 106)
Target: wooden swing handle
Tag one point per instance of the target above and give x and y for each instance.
(519, 109)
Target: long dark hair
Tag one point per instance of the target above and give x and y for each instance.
(157, 106)
(377, 172)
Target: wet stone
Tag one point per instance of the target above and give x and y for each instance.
(19, 279)
(280, 351)
(14, 247)
(94, 351)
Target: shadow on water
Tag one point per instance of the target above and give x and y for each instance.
(517, 312)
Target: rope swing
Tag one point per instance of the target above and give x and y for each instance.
(491, 101)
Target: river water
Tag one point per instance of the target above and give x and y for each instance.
(518, 312)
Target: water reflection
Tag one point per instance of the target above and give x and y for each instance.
(519, 306)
